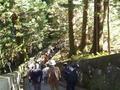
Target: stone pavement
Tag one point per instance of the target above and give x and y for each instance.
(28, 86)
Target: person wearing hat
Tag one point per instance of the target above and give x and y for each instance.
(53, 75)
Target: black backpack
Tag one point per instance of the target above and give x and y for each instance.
(71, 76)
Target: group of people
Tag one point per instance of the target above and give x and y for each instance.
(47, 55)
(50, 74)
(45, 70)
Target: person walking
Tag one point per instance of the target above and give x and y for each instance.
(35, 76)
(53, 75)
(71, 76)
(45, 73)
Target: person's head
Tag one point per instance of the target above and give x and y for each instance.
(51, 66)
(43, 66)
(36, 65)
(65, 64)
(76, 66)
(31, 66)
(52, 63)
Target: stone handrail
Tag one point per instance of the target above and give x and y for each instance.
(11, 81)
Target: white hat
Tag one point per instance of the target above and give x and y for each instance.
(52, 62)
(31, 65)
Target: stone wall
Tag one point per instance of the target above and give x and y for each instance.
(101, 73)
(10, 81)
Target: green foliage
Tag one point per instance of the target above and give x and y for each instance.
(88, 56)
(28, 24)
(21, 26)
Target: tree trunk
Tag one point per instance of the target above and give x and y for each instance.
(108, 29)
(71, 33)
(84, 26)
(98, 26)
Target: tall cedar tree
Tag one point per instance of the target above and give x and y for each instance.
(84, 25)
(100, 8)
(107, 4)
(72, 50)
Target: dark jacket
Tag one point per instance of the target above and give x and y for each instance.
(71, 77)
(36, 75)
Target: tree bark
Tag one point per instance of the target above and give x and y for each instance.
(84, 26)
(98, 26)
(72, 50)
(108, 29)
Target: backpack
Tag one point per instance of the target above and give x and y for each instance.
(53, 75)
(71, 76)
(36, 75)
